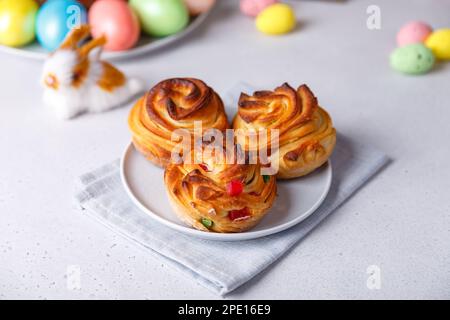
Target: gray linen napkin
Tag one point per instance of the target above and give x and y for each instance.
(219, 265)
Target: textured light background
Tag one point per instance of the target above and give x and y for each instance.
(400, 221)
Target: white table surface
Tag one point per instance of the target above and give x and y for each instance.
(400, 221)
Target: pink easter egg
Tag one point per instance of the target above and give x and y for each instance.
(117, 21)
(253, 7)
(197, 7)
(413, 32)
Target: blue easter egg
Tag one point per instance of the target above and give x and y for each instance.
(55, 19)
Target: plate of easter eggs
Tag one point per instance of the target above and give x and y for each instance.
(33, 29)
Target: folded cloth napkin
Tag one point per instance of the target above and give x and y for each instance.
(219, 265)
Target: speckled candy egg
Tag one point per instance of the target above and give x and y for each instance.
(117, 21)
(197, 7)
(413, 32)
(276, 19)
(86, 3)
(161, 18)
(439, 43)
(412, 59)
(253, 7)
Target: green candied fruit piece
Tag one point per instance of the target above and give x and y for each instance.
(207, 223)
(266, 178)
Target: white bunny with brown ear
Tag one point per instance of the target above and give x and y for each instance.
(75, 80)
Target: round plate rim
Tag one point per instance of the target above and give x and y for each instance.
(120, 55)
(246, 235)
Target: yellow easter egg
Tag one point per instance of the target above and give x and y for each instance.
(17, 20)
(276, 19)
(439, 43)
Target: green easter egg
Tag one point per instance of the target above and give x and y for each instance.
(161, 18)
(412, 59)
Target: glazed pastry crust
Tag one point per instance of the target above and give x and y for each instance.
(306, 134)
(173, 104)
(198, 191)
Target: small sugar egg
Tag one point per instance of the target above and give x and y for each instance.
(439, 43)
(117, 21)
(55, 19)
(276, 19)
(87, 3)
(413, 32)
(412, 59)
(197, 7)
(17, 22)
(252, 8)
(161, 18)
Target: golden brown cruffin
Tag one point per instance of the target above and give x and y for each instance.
(306, 134)
(173, 104)
(214, 196)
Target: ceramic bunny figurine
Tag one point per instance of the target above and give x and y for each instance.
(75, 80)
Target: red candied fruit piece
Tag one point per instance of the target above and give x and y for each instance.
(239, 214)
(235, 188)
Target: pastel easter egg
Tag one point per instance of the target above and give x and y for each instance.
(161, 18)
(196, 7)
(17, 22)
(276, 19)
(117, 21)
(86, 3)
(252, 8)
(412, 59)
(55, 19)
(413, 32)
(439, 43)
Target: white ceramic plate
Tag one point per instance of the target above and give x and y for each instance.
(297, 199)
(145, 45)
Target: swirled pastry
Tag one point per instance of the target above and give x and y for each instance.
(219, 197)
(173, 104)
(306, 134)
